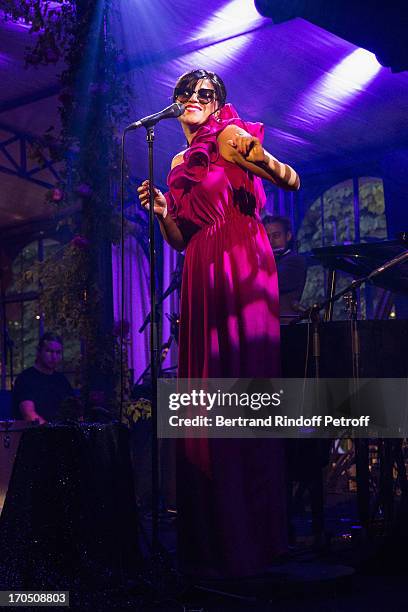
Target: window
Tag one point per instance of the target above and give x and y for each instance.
(22, 320)
(351, 211)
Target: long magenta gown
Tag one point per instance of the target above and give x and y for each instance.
(230, 493)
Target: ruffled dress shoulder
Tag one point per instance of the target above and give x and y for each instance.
(202, 154)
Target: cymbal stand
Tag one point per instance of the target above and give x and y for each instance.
(360, 444)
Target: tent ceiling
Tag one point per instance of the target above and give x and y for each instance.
(319, 96)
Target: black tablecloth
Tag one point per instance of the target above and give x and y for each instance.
(69, 518)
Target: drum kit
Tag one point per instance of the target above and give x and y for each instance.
(11, 431)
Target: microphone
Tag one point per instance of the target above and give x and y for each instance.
(174, 110)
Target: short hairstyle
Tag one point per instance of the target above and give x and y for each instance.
(283, 221)
(48, 337)
(189, 79)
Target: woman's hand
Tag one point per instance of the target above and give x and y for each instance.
(249, 147)
(169, 229)
(239, 147)
(160, 204)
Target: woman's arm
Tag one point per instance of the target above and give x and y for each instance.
(238, 146)
(171, 232)
(168, 228)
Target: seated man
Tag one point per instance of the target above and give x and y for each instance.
(291, 267)
(39, 391)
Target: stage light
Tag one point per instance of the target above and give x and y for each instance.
(334, 91)
(379, 27)
(358, 68)
(234, 16)
(227, 31)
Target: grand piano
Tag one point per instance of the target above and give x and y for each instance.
(382, 353)
(383, 343)
(360, 259)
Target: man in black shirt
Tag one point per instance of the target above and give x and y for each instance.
(39, 391)
(290, 265)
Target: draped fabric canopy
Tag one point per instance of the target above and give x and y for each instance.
(321, 98)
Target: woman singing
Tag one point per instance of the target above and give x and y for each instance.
(231, 510)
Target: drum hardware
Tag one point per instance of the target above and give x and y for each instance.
(352, 262)
(175, 284)
(162, 354)
(350, 301)
(174, 319)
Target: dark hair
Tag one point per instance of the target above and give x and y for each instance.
(189, 79)
(283, 221)
(48, 337)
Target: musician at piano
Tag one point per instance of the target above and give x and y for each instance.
(290, 265)
(39, 392)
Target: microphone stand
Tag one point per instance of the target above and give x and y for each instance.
(161, 575)
(159, 566)
(148, 123)
(153, 348)
(360, 444)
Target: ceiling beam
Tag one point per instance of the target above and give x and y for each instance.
(34, 96)
(30, 179)
(18, 160)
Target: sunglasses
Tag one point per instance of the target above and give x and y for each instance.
(204, 96)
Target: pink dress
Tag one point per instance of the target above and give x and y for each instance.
(230, 493)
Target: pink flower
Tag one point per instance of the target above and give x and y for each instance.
(56, 195)
(80, 242)
(84, 190)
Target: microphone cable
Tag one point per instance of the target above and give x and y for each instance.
(122, 275)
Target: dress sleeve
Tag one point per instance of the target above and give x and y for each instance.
(195, 165)
(183, 177)
(197, 160)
